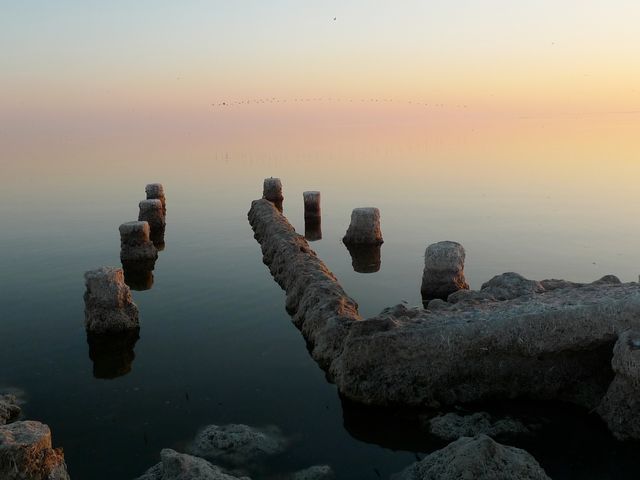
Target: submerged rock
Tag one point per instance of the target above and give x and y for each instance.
(26, 453)
(443, 271)
(477, 458)
(620, 407)
(9, 408)
(179, 466)
(237, 444)
(364, 228)
(109, 307)
(452, 426)
(317, 472)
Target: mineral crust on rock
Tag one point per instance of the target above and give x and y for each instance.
(179, 466)
(109, 307)
(452, 426)
(443, 270)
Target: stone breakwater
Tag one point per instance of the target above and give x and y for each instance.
(514, 338)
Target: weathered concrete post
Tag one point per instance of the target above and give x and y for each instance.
(109, 307)
(152, 212)
(155, 191)
(136, 247)
(364, 228)
(272, 191)
(311, 205)
(443, 271)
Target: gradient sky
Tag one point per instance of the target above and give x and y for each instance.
(72, 56)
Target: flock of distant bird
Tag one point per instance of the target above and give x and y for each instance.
(272, 100)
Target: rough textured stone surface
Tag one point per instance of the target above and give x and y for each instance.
(546, 344)
(453, 426)
(136, 248)
(152, 212)
(26, 453)
(511, 285)
(9, 408)
(317, 472)
(317, 303)
(311, 205)
(443, 271)
(620, 407)
(178, 466)
(364, 228)
(155, 191)
(109, 307)
(477, 458)
(236, 444)
(272, 190)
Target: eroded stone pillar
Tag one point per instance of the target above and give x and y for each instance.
(155, 191)
(152, 212)
(272, 191)
(364, 228)
(136, 248)
(312, 205)
(443, 271)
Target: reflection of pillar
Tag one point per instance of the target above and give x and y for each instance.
(313, 229)
(138, 278)
(112, 354)
(151, 211)
(443, 271)
(136, 247)
(155, 191)
(311, 205)
(365, 258)
(364, 228)
(272, 191)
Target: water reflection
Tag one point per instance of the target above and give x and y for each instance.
(138, 279)
(313, 229)
(112, 354)
(365, 258)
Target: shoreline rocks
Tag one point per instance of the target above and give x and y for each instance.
(26, 452)
(155, 191)
(109, 307)
(451, 426)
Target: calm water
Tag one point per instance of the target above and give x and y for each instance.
(546, 198)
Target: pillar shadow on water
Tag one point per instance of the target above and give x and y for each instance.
(365, 258)
(313, 229)
(112, 353)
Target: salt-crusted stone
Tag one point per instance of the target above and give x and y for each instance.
(477, 458)
(155, 191)
(311, 205)
(364, 228)
(452, 426)
(443, 271)
(272, 191)
(109, 307)
(179, 466)
(26, 453)
(136, 247)
(236, 444)
(9, 408)
(152, 212)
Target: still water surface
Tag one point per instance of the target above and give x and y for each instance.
(543, 197)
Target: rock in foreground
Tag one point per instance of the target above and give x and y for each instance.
(26, 453)
(237, 444)
(477, 458)
(178, 466)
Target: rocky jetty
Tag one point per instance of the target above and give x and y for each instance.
(452, 426)
(237, 444)
(364, 228)
(477, 458)
(26, 453)
(443, 271)
(9, 408)
(548, 340)
(179, 466)
(109, 307)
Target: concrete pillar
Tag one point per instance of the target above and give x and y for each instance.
(109, 307)
(443, 271)
(312, 205)
(136, 247)
(364, 228)
(151, 211)
(272, 191)
(155, 191)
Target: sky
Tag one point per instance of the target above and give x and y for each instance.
(88, 57)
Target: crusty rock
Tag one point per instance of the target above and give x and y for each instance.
(452, 426)
(443, 271)
(236, 444)
(364, 228)
(109, 307)
(152, 212)
(155, 191)
(9, 408)
(136, 248)
(477, 458)
(26, 453)
(178, 466)
(620, 407)
(317, 472)
(312, 208)
(272, 192)
(510, 285)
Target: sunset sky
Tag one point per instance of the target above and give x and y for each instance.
(71, 56)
